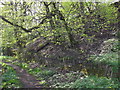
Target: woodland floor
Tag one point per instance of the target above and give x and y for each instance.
(31, 81)
(27, 80)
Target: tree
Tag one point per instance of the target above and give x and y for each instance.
(69, 24)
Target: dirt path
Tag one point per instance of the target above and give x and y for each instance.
(27, 80)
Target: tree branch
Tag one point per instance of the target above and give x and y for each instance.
(26, 30)
(48, 16)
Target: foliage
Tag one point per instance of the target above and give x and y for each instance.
(64, 23)
(8, 74)
(9, 78)
(7, 58)
(110, 58)
(41, 73)
(46, 73)
(31, 31)
(23, 65)
(95, 82)
(75, 80)
(61, 80)
(34, 71)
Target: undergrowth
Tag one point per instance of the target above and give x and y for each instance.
(9, 77)
(95, 82)
(110, 58)
(41, 75)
